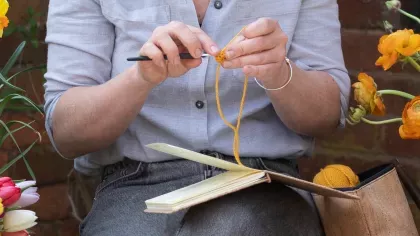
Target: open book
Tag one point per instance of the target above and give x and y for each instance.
(235, 178)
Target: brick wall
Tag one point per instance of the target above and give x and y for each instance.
(360, 147)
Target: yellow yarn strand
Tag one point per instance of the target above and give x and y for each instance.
(220, 59)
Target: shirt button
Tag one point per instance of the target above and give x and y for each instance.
(199, 104)
(218, 4)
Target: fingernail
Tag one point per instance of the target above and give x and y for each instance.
(227, 64)
(214, 49)
(198, 53)
(230, 54)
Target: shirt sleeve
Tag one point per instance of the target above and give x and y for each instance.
(80, 45)
(316, 45)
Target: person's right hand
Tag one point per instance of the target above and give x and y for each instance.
(170, 40)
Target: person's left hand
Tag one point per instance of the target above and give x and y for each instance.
(260, 51)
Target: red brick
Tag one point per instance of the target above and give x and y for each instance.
(363, 14)
(53, 203)
(69, 227)
(31, 82)
(44, 228)
(41, 160)
(26, 136)
(360, 49)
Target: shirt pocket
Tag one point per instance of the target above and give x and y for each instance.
(138, 19)
(249, 10)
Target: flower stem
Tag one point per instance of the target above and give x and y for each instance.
(414, 63)
(409, 15)
(371, 122)
(396, 92)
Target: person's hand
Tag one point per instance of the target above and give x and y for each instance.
(260, 51)
(170, 40)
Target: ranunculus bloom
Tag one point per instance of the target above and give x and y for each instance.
(365, 94)
(9, 194)
(410, 129)
(28, 197)
(18, 220)
(19, 233)
(391, 46)
(4, 21)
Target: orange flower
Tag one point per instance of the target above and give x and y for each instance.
(402, 42)
(366, 95)
(410, 129)
(4, 21)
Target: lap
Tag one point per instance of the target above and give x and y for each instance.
(265, 209)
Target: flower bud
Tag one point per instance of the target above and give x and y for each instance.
(393, 4)
(9, 195)
(18, 220)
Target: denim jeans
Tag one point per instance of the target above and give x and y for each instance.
(264, 209)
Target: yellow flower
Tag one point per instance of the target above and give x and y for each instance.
(1, 207)
(402, 42)
(410, 129)
(4, 21)
(366, 95)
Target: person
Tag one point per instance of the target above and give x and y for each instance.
(101, 109)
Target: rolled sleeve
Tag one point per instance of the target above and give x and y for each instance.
(316, 45)
(80, 45)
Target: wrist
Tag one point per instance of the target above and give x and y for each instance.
(278, 80)
(137, 78)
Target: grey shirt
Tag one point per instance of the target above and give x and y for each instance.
(90, 40)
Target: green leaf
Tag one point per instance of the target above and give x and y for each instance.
(10, 133)
(20, 97)
(21, 155)
(27, 125)
(10, 29)
(31, 172)
(4, 101)
(4, 80)
(13, 59)
(40, 67)
(31, 11)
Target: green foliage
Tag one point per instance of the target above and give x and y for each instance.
(29, 32)
(12, 96)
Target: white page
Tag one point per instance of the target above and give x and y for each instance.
(201, 188)
(197, 157)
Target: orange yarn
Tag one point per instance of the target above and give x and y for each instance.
(220, 58)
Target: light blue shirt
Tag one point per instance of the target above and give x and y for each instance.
(90, 40)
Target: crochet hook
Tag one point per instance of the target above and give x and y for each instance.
(181, 55)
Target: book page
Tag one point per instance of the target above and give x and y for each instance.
(198, 157)
(205, 187)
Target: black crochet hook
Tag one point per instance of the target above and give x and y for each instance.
(181, 55)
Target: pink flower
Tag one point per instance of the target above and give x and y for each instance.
(9, 195)
(6, 181)
(28, 197)
(20, 233)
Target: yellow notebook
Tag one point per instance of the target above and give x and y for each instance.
(235, 178)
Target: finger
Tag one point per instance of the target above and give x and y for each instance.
(260, 27)
(169, 48)
(261, 71)
(189, 64)
(153, 52)
(264, 57)
(254, 45)
(207, 43)
(188, 39)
